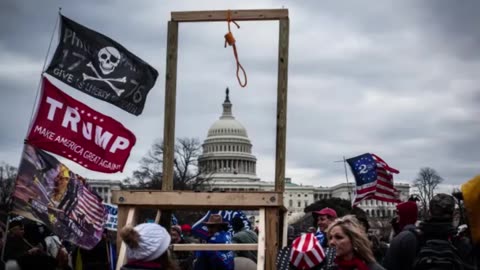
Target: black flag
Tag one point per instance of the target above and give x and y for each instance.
(96, 65)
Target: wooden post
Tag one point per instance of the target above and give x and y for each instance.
(284, 230)
(121, 221)
(170, 105)
(170, 108)
(273, 229)
(282, 87)
(261, 240)
(271, 237)
(131, 219)
(157, 216)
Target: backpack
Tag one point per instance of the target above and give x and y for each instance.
(438, 254)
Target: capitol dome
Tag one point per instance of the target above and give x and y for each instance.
(227, 125)
(227, 150)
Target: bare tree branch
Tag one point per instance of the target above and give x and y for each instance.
(185, 163)
(426, 182)
(8, 174)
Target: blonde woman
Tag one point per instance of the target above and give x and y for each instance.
(353, 249)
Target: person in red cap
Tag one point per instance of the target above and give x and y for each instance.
(403, 247)
(324, 218)
(187, 234)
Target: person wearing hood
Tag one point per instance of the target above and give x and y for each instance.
(403, 247)
(243, 235)
(183, 258)
(439, 226)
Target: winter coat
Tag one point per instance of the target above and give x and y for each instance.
(216, 260)
(375, 266)
(402, 251)
(246, 236)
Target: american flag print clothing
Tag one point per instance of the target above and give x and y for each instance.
(322, 238)
(306, 252)
(47, 191)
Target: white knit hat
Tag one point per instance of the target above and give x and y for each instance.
(153, 242)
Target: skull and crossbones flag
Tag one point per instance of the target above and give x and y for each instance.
(100, 67)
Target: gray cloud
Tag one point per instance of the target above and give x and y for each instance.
(399, 79)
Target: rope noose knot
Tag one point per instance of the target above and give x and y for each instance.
(230, 40)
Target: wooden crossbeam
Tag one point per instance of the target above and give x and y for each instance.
(237, 15)
(197, 200)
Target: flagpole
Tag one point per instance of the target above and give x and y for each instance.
(346, 177)
(43, 68)
(4, 238)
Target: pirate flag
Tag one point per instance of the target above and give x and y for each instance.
(100, 67)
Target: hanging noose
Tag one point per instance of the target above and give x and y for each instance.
(230, 40)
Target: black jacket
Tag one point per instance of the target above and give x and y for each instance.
(402, 251)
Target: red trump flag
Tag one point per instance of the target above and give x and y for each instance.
(71, 129)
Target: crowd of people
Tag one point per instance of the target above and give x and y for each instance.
(147, 248)
(343, 243)
(340, 243)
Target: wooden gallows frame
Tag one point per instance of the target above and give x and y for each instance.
(272, 226)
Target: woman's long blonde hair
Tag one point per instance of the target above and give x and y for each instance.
(360, 243)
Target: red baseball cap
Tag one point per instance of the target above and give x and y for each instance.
(327, 212)
(186, 228)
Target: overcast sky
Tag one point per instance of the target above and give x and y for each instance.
(396, 78)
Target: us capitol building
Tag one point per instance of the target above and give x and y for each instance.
(228, 161)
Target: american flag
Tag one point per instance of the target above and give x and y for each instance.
(374, 179)
(89, 208)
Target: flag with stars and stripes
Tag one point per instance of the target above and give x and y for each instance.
(48, 192)
(89, 207)
(373, 178)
